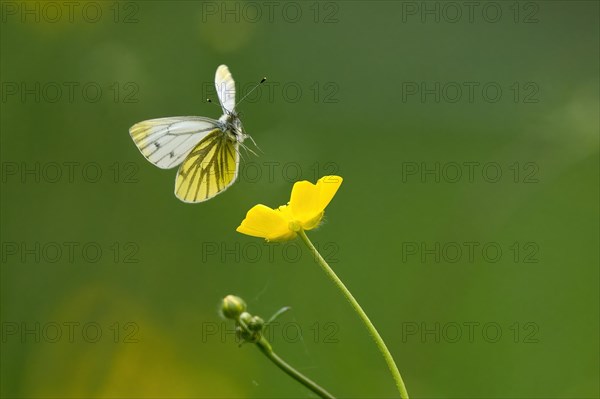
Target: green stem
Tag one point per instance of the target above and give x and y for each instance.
(265, 347)
(372, 330)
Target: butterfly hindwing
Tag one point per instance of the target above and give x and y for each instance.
(166, 141)
(209, 169)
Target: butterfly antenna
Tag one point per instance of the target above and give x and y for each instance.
(263, 80)
(208, 100)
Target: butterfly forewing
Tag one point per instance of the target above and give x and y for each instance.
(166, 141)
(209, 169)
(225, 87)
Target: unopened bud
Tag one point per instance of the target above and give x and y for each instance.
(233, 306)
(256, 323)
(246, 317)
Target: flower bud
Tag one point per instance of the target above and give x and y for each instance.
(256, 324)
(233, 307)
(246, 317)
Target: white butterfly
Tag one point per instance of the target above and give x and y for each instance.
(207, 149)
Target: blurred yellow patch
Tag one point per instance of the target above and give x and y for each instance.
(120, 357)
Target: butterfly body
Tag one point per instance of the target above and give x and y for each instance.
(206, 149)
(231, 126)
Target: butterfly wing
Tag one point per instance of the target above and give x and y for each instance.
(225, 87)
(209, 169)
(166, 141)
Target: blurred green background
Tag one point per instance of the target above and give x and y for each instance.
(111, 286)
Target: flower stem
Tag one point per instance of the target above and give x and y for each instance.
(372, 330)
(265, 347)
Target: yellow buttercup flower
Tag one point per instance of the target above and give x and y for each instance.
(304, 211)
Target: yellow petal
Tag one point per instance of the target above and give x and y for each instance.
(262, 221)
(308, 201)
(328, 186)
(303, 201)
(286, 213)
